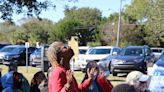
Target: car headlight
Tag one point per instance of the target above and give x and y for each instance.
(117, 61)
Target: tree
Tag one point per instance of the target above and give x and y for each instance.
(155, 23)
(28, 7)
(138, 9)
(130, 34)
(89, 18)
(7, 30)
(150, 14)
(63, 30)
(37, 31)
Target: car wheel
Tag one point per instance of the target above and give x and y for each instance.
(83, 70)
(33, 65)
(114, 74)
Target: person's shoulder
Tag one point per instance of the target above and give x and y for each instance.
(100, 78)
(57, 71)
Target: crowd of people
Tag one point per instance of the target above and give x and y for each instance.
(61, 79)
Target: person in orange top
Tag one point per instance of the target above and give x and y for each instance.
(61, 78)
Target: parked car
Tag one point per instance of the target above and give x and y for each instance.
(132, 58)
(158, 67)
(3, 45)
(15, 53)
(157, 52)
(75, 65)
(98, 53)
(105, 63)
(35, 57)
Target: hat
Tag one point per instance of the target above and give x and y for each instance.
(136, 76)
(143, 78)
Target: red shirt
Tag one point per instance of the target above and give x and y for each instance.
(105, 84)
(57, 80)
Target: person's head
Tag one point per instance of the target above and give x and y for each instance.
(58, 54)
(124, 88)
(138, 79)
(12, 67)
(38, 78)
(92, 65)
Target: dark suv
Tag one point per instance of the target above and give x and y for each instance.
(132, 58)
(15, 53)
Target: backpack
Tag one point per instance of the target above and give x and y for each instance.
(20, 83)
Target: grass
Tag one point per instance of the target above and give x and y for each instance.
(78, 74)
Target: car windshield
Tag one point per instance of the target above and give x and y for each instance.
(38, 50)
(100, 51)
(132, 52)
(157, 50)
(82, 51)
(12, 49)
(162, 57)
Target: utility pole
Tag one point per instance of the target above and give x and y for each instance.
(119, 24)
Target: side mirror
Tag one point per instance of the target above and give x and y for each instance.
(114, 53)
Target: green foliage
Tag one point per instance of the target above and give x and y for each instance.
(142, 22)
(93, 44)
(63, 30)
(7, 32)
(150, 13)
(28, 7)
(38, 31)
(86, 16)
(130, 33)
(155, 23)
(89, 19)
(138, 9)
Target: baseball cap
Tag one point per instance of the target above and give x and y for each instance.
(135, 76)
(144, 78)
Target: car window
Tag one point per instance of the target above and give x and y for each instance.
(31, 49)
(38, 50)
(12, 49)
(82, 51)
(116, 50)
(7, 49)
(100, 51)
(155, 50)
(148, 51)
(162, 57)
(132, 52)
(19, 50)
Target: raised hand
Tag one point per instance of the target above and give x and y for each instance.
(90, 73)
(69, 76)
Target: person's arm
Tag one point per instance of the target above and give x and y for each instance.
(105, 83)
(83, 86)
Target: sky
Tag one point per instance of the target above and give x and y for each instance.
(105, 6)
